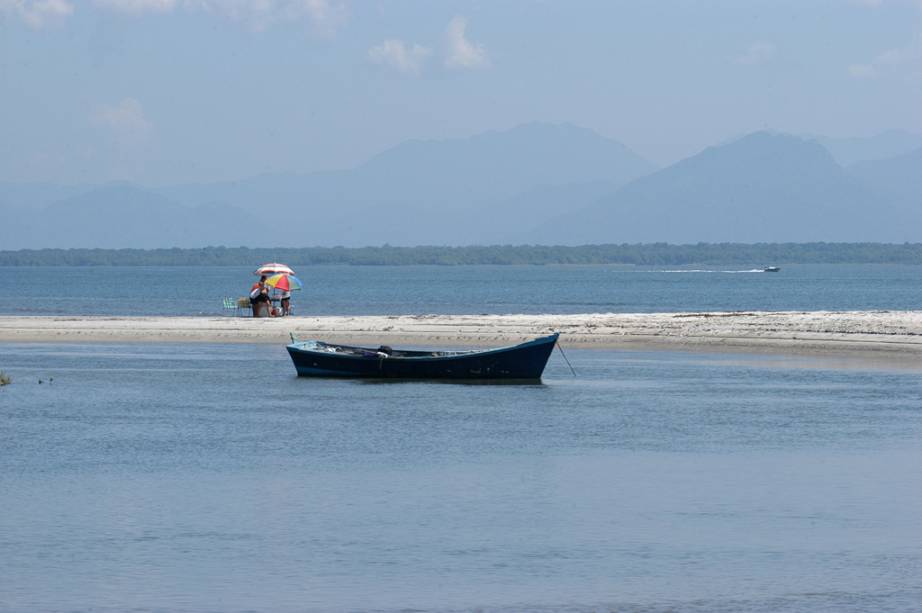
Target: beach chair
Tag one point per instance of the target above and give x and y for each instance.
(230, 305)
(244, 305)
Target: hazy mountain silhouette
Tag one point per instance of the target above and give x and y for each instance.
(891, 143)
(33, 195)
(489, 166)
(764, 187)
(498, 165)
(543, 183)
(439, 192)
(120, 215)
(508, 221)
(899, 177)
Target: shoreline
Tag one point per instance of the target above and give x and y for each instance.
(892, 334)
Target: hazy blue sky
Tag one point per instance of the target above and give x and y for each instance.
(183, 90)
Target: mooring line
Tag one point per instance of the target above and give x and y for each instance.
(565, 357)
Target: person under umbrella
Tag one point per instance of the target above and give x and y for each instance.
(259, 298)
(284, 283)
(286, 302)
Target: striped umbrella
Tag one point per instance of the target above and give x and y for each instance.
(285, 283)
(273, 268)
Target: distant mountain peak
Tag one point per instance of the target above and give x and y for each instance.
(521, 157)
(544, 127)
(577, 185)
(756, 153)
(762, 187)
(775, 139)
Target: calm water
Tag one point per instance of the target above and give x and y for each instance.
(356, 290)
(198, 477)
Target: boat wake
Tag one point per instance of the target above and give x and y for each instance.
(689, 271)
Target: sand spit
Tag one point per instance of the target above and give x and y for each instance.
(875, 332)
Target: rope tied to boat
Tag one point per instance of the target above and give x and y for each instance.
(560, 347)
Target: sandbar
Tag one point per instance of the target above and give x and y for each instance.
(897, 334)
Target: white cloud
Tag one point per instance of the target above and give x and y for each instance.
(38, 13)
(908, 58)
(462, 53)
(125, 120)
(757, 53)
(400, 56)
(325, 15)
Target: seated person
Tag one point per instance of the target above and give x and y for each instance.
(259, 298)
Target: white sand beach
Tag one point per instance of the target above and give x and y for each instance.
(893, 333)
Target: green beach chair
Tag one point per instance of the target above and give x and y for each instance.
(230, 305)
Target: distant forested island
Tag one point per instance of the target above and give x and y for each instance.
(650, 254)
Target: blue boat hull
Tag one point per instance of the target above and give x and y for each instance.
(520, 362)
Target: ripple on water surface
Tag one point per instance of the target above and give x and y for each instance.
(209, 477)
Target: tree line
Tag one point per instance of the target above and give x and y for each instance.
(647, 254)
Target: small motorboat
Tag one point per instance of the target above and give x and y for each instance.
(519, 362)
(771, 269)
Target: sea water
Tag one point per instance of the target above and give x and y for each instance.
(400, 290)
(210, 478)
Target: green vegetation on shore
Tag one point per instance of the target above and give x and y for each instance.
(652, 254)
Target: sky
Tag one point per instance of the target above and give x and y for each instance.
(174, 91)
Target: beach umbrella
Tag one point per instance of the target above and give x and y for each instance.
(285, 283)
(273, 268)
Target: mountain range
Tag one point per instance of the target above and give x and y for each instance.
(763, 187)
(535, 183)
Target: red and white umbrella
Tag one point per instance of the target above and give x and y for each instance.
(273, 268)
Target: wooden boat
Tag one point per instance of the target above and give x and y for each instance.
(520, 362)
